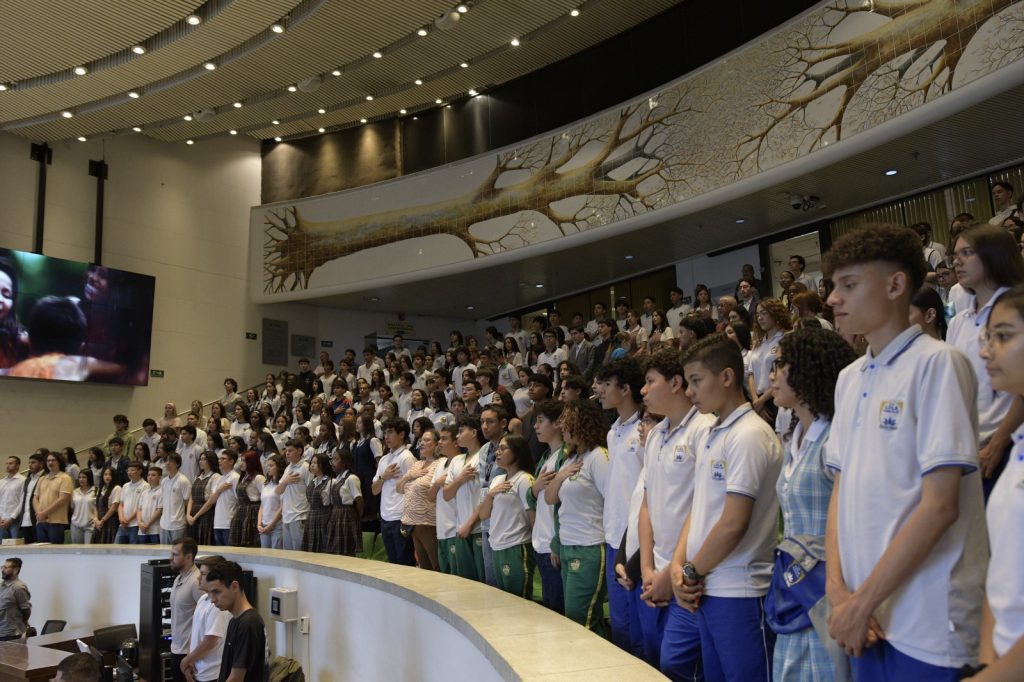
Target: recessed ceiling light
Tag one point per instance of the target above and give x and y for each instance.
(438, 101)
(464, 65)
(189, 141)
(292, 88)
(469, 307)
(276, 122)
(335, 73)
(277, 139)
(209, 66)
(81, 70)
(66, 114)
(539, 285)
(320, 130)
(81, 139)
(137, 129)
(3, 86)
(462, 9)
(277, 28)
(237, 105)
(138, 49)
(187, 117)
(472, 92)
(362, 120)
(402, 111)
(515, 42)
(374, 299)
(574, 13)
(378, 54)
(418, 81)
(233, 132)
(415, 118)
(133, 94)
(369, 98)
(891, 172)
(740, 221)
(422, 32)
(193, 20)
(321, 111)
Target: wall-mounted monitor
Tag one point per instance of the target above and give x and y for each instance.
(61, 320)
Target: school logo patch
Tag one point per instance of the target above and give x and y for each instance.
(506, 570)
(479, 542)
(574, 565)
(889, 414)
(680, 453)
(451, 550)
(718, 470)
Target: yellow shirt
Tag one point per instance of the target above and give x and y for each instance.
(48, 490)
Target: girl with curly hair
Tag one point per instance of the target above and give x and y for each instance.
(771, 321)
(804, 380)
(578, 489)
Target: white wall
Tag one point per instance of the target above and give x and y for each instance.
(719, 273)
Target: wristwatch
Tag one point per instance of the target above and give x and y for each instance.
(690, 572)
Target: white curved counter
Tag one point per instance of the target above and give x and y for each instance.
(368, 620)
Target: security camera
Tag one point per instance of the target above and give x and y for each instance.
(796, 201)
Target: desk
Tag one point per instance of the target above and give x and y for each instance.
(20, 662)
(63, 640)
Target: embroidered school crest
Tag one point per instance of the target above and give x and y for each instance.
(680, 453)
(574, 565)
(451, 550)
(506, 570)
(718, 470)
(889, 414)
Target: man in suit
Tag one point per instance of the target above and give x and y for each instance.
(747, 296)
(582, 352)
(747, 275)
(27, 514)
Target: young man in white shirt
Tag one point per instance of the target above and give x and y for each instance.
(176, 490)
(462, 364)
(128, 510)
(209, 627)
(620, 384)
(553, 354)
(403, 396)
(10, 499)
(600, 311)
(797, 265)
(391, 467)
(149, 436)
(670, 633)
(223, 499)
(292, 489)
(723, 561)
(517, 332)
(150, 509)
(36, 463)
(678, 310)
(370, 363)
(906, 544)
(189, 452)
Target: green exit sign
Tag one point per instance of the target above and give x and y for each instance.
(156, 373)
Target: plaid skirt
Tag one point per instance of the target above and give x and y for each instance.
(105, 534)
(243, 532)
(202, 530)
(344, 531)
(314, 537)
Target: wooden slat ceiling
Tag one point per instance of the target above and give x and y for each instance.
(256, 67)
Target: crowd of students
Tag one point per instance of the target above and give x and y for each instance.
(645, 462)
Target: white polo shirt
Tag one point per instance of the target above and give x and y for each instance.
(446, 516)
(509, 524)
(150, 499)
(626, 458)
(761, 359)
(633, 527)
(176, 490)
(737, 456)
(131, 496)
(392, 502)
(10, 496)
(673, 316)
(581, 514)
(1005, 583)
(189, 459)
(899, 415)
(206, 621)
(294, 505)
(544, 519)
(467, 497)
(670, 460)
(552, 359)
(224, 507)
(963, 333)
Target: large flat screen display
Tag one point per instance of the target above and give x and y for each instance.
(61, 320)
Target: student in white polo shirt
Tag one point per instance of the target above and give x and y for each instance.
(176, 490)
(1002, 629)
(905, 544)
(209, 628)
(150, 508)
(670, 633)
(462, 486)
(723, 561)
(392, 466)
(620, 382)
(292, 489)
(988, 263)
(223, 498)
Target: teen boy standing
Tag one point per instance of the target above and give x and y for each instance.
(906, 543)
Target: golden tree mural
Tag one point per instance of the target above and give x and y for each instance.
(616, 166)
(860, 62)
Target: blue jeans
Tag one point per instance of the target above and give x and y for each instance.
(12, 531)
(274, 539)
(551, 584)
(735, 641)
(168, 537)
(148, 539)
(51, 532)
(220, 536)
(127, 535)
(292, 534)
(398, 547)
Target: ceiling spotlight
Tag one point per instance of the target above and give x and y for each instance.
(362, 120)
(464, 65)
(402, 111)
(462, 9)
(292, 88)
(66, 114)
(415, 118)
(81, 138)
(472, 92)
(335, 73)
(137, 129)
(320, 130)
(133, 94)
(438, 101)
(422, 32)
(138, 49)
(418, 81)
(190, 142)
(277, 28)
(209, 66)
(740, 221)
(187, 117)
(237, 105)
(369, 98)
(321, 111)
(81, 70)
(574, 13)
(193, 20)
(233, 132)
(629, 257)
(3, 86)
(469, 307)
(539, 285)
(277, 139)
(891, 172)
(515, 42)
(378, 55)
(276, 122)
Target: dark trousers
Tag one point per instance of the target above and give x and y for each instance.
(550, 584)
(176, 674)
(398, 547)
(29, 533)
(50, 532)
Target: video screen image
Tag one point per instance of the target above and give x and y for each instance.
(61, 320)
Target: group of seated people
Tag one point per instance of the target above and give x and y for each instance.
(653, 478)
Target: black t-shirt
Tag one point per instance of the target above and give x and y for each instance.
(245, 646)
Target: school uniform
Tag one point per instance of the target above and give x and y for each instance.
(392, 504)
(510, 535)
(543, 539)
(1005, 583)
(738, 455)
(581, 538)
(469, 552)
(294, 505)
(176, 491)
(625, 461)
(487, 469)
(901, 414)
(670, 633)
(150, 499)
(446, 522)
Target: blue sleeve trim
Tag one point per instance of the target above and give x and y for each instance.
(966, 467)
